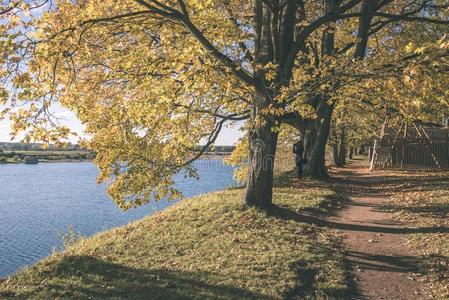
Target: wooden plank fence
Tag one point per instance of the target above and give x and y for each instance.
(416, 154)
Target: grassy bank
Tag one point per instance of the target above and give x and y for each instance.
(209, 246)
(423, 202)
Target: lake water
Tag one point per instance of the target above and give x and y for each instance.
(38, 203)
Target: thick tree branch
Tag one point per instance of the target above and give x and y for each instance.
(242, 45)
(236, 69)
(232, 117)
(308, 30)
(394, 17)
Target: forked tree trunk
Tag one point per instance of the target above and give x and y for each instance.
(315, 136)
(335, 155)
(259, 186)
(339, 149)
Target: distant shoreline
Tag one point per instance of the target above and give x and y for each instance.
(32, 153)
(18, 157)
(42, 156)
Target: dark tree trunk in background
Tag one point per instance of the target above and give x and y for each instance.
(339, 150)
(342, 147)
(315, 146)
(335, 161)
(315, 134)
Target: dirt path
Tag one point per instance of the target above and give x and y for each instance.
(382, 266)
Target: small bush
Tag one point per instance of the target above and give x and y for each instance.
(70, 237)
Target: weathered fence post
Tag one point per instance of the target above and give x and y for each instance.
(373, 153)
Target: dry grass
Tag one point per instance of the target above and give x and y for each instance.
(424, 203)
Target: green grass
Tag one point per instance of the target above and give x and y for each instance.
(426, 205)
(207, 247)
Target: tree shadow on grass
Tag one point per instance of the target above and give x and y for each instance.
(370, 186)
(352, 259)
(391, 183)
(288, 214)
(438, 266)
(311, 276)
(384, 263)
(437, 211)
(330, 204)
(84, 277)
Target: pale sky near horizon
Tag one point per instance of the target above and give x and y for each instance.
(228, 137)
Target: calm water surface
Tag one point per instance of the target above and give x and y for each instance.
(38, 203)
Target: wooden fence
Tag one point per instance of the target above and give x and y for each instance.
(417, 154)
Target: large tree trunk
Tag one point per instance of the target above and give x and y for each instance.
(259, 186)
(262, 139)
(315, 135)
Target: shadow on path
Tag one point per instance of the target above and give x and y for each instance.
(384, 263)
(288, 214)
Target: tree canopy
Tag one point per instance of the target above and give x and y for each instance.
(153, 79)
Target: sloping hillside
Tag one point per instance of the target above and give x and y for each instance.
(205, 247)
